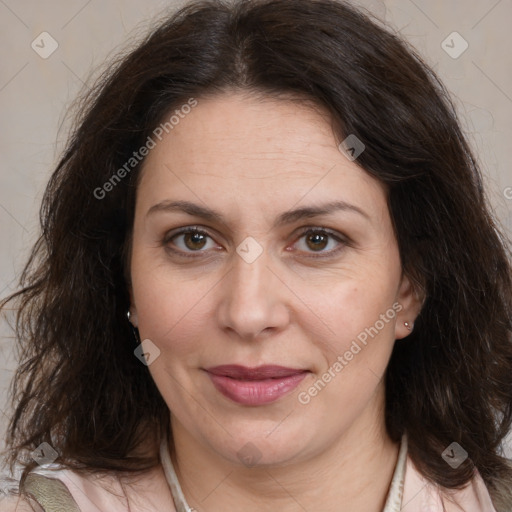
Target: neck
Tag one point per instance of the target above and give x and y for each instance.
(353, 473)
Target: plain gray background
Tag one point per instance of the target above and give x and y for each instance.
(35, 93)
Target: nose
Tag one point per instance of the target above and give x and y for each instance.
(253, 299)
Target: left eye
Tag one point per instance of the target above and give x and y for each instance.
(318, 241)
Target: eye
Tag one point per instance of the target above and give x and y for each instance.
(189, 240)
(320, 240)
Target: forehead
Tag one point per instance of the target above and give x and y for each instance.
(243, 148)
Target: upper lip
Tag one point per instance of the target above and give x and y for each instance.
(259, 373)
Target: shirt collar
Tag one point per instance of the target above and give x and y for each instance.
(393, 500)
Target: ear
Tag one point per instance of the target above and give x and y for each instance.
(411, 299)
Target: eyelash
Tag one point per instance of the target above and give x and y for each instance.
(343, 241)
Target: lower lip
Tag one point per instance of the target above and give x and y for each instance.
(256, 392)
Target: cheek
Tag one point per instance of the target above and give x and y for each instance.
(344, 307)
(356, 356)
(169, 320)
(172, 307)
(365, 341)
(366, 349)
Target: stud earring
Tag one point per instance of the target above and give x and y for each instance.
(408, 326)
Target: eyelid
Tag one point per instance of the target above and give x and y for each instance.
(343, 240)
(167, 238)
(185, 229)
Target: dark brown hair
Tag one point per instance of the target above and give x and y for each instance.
(79, 386)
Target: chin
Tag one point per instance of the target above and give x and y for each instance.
(265, 448)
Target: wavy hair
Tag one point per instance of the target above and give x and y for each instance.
(79, 386)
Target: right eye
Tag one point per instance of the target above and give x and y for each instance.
(189, 240)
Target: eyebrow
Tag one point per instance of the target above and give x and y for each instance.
(285, 218)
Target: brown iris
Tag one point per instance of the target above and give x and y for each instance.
(194, 241)
(317, 241)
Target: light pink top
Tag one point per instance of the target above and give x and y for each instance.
(409, 491)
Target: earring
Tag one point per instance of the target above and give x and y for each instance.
(134, 329)
(408, 326)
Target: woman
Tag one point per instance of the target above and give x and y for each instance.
(267, 279)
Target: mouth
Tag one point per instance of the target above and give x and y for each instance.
(255, 386)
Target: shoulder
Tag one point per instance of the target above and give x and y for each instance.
(17, 504)
(419, 494)
(93, 492)
(57, 488)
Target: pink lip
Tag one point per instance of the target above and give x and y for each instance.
(255, 386)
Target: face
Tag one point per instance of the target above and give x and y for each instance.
(257, 243)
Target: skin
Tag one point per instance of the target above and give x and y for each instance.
(251, 159)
